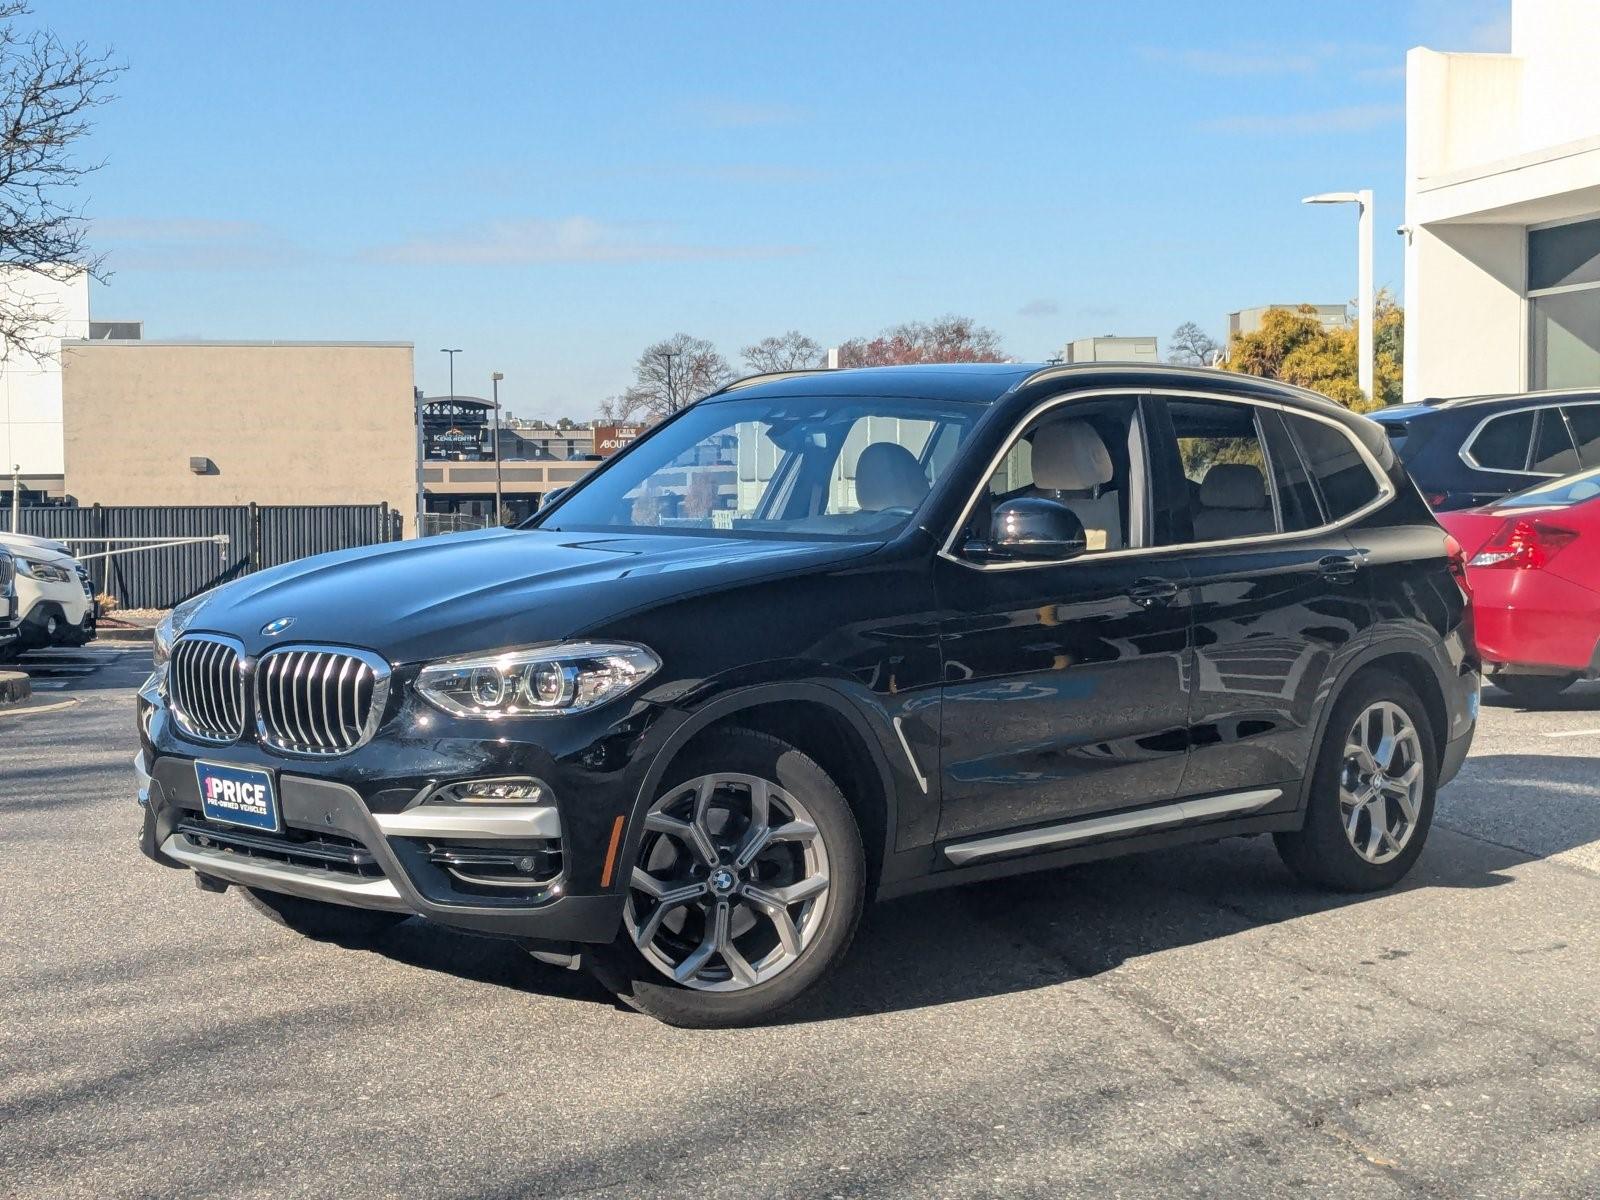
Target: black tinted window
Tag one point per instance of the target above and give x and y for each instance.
(1502, 444)
(1553, 452)
(1564, 255)
(1342, 475)
(1585, 422)
(1297, 497)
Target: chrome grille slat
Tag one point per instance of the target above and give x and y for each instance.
(207, 688)
(319, 701)
(346, 675)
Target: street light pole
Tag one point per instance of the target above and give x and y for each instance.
(672, 399)
(499, 500)
(1365, 299)
(452, 354)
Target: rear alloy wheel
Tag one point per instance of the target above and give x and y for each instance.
(745, 890)
(1370, 801)
(1533, 691)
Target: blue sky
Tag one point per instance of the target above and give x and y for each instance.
(553, 186)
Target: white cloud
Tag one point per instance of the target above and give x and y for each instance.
(192, 244)
(569, 239)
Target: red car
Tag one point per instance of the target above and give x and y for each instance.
(1533, 565)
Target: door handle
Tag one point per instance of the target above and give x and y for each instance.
(1153, 593)
(1340, 568)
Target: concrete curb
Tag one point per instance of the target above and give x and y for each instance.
(36, 706)
(136, 634)
(14, 688)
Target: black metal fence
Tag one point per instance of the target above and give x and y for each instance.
(259, 536)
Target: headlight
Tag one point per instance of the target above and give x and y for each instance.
(44, 572)
(540, 682)
(174, 623)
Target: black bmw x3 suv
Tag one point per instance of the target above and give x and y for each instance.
(827, 636)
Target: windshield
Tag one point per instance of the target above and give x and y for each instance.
(1574, 489)
(773, 467)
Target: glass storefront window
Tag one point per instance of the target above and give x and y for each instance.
(1564, 300)
(1566, 340)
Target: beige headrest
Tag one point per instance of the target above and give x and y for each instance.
(1068, 456)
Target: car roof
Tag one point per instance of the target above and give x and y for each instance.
(980, 383)
(1509, 399)
(985, 383)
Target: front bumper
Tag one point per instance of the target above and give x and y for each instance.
(34, 633)
(334, 848)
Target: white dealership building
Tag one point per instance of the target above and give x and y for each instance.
(1502, 221)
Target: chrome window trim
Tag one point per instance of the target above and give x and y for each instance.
(1465, 453)
(180, 719)
(382, 674)
(1386, 491)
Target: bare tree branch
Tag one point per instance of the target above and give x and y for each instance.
(951, 339)
(792, 351)
(47, 90)
(659, 389)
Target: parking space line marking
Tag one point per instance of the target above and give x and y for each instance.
(1574, 733)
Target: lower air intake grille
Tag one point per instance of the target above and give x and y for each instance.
(311, 701)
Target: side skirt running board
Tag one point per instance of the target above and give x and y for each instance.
(1066, 834)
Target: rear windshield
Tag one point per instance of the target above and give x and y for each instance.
(1574, 489)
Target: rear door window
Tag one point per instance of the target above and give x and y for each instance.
(1225, 470)
(1502, 443)
(1343, 477)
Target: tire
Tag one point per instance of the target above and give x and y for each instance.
(320, 921)
(770, 966)
(1322, 852)
(1533, 691)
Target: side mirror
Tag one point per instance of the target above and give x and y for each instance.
(1031, 529)
(551, 497)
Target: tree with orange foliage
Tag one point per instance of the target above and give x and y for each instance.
(1294, 346)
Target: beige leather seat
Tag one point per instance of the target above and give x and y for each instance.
(1232, 503)
(1072, 465)
(889, 476)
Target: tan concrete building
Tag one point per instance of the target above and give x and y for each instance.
(181, 423)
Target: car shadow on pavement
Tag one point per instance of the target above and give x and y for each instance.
(1580, 697)
(1038, 930)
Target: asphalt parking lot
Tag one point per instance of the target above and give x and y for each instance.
(1183, 1023)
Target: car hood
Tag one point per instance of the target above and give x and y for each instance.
(25, 545)
(473, 592)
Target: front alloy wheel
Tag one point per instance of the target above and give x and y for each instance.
(745, 888)
(732, 882)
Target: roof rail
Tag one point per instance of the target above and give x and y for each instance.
(765, 377)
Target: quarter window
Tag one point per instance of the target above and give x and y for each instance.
(1502, 444)
(1553, 452)
(1343, 477)
(1584, 420)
